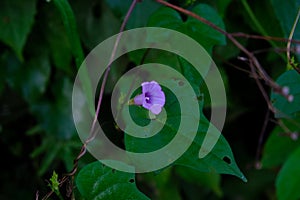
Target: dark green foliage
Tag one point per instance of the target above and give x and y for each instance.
(42, 45)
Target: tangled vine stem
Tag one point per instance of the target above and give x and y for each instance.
(92, 134)
(253, 62)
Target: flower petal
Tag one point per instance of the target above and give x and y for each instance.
(158, 98)
(155, 109)
(139, 99)
(152, 86)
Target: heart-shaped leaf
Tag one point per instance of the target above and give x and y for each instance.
(96, 181)
(219, 160)
(202, 33)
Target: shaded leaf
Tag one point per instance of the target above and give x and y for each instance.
(16, 20)
(286, 12)
(202, 33)
(290, 79)
(210, 180)
(56, 37)
(29, 78)
(56, 117)
(164, 182)
(139, 15)
(96, 181)
(280, 145)
(222, 6)
(95, 22)
(288, 179)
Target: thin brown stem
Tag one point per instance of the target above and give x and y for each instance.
(260, 140)
(260, 37)
(92, 131)
(276, 50)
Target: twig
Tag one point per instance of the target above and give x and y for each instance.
(260, 37)
(261, 88)
(260, 140)
(253, 60)
(232, 65)
(276, 50)
(92, 131)
(288, 53)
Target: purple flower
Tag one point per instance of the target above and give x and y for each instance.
(152, 97)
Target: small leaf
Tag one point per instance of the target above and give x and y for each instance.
(279, 145)
(56, 38)
(29, 78)
(54, 182)
(222, 6)
(286, 12)
(95, 21)
(210, 180)
(140, 14)
(55, 117)
(53, 148)
(96, 181)
(291, 80)
(288, 179)
(164, 182)
(202, 33)
(205, 35)
(16, 20)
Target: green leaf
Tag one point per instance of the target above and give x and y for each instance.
(16, 20)
(219, 160)
(174, 61)
(96, 181)
(54, 182)
(290, 79)
(56, 37)
(96, 22)
(202, 33)
(210, 180)
(53, 149)
(279, 145)
(29, 78)
(165, 182)
(288, 179)
(260, 17)
(286, 12)
(139, 15)
(222, 6)
(55, 117)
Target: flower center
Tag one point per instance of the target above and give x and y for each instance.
(147, 98)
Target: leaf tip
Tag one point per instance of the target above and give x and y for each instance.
(243, 177)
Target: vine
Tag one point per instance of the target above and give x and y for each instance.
(256, 70)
